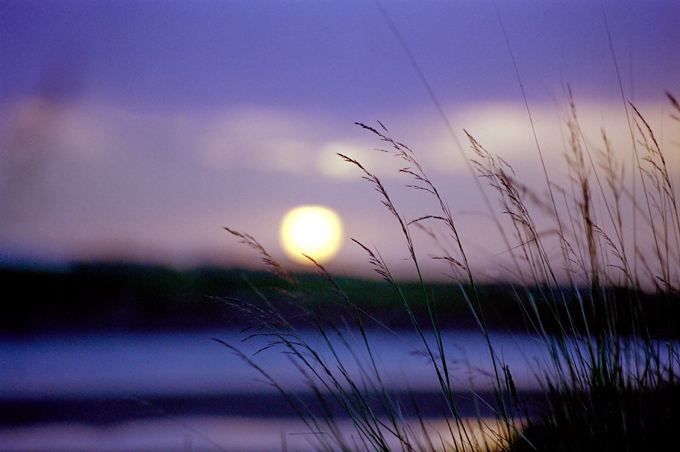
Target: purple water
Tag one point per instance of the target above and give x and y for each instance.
(96, 365)
(144, 366)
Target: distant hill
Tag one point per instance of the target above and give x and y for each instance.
(95, 296)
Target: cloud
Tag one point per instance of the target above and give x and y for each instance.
(253, 138)
(329, 163)
(271, 140)
(155, 181)
(291, 142)
(505, 129)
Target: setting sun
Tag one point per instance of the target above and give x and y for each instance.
(312, 230)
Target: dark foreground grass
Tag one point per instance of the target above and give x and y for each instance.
(606, 309)
(607, 417)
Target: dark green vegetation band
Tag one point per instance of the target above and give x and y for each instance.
(132, 297)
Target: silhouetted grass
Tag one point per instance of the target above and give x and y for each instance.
(606, 309)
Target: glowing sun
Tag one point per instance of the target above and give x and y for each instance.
(312, 230)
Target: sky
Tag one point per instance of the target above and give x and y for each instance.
(139, 129)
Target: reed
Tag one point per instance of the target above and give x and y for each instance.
(605, 310)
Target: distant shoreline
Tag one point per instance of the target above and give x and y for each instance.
(109, 410)
(124, 297)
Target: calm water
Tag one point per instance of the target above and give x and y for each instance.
(187, 392)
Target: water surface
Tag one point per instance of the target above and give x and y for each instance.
(186, 391)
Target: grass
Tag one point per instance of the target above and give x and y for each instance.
(606, 311)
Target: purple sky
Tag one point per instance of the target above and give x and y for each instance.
(138, 129)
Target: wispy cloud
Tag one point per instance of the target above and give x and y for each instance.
(85, 176)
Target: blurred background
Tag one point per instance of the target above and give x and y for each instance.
(132, 132)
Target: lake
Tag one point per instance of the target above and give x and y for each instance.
(188, 392)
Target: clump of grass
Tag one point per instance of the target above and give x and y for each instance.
(613, 383)
(612, 379)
